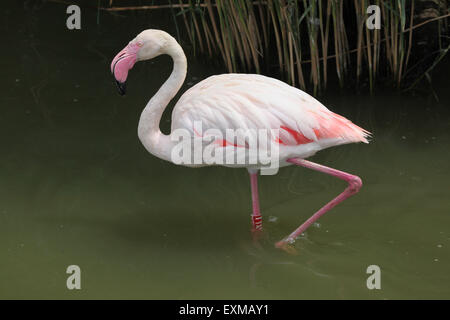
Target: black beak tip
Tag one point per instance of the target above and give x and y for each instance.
(121, 86)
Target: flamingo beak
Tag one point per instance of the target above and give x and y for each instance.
(121, 64)
(122, 87)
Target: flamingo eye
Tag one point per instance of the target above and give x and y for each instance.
(139, 44)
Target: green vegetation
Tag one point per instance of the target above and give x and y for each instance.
(305, 40)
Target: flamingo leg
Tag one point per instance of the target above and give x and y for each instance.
(354, 184)
(256, 215)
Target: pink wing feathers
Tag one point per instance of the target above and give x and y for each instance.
(248, 101)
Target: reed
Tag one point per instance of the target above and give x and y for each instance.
(298, 37)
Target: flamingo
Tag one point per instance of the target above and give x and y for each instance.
(234, 101)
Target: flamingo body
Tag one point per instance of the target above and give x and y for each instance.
(251, 101)
(295, 122)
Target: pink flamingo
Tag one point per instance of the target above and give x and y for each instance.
(233, 101)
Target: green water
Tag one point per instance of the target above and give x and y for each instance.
(78, 188)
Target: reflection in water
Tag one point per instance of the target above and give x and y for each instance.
(78, 188)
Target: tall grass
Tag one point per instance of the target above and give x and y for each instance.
(303, 39)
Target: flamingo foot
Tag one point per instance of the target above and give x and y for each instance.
(286, 247)
(257, 235)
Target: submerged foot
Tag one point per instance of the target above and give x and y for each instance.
(287, 247)
(257, 236)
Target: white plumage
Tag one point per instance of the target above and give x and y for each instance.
(250, 101)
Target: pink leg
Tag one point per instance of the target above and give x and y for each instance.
(354, 184)
(256, 215)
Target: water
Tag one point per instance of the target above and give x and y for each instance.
(78, 188)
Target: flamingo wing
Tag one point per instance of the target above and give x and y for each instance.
(248, 101)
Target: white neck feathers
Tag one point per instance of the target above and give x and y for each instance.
(149, 132)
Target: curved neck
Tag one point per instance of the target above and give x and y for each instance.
(149, 132)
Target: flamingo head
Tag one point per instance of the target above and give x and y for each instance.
(147, 45)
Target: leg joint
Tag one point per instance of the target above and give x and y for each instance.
(355, 183)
